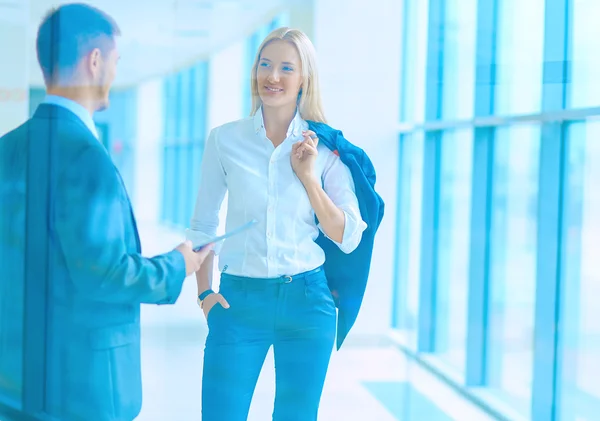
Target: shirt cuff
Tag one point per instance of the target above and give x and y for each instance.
(197, 238)
(353, 229)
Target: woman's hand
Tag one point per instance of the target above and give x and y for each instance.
(211, 300)
(304, 155)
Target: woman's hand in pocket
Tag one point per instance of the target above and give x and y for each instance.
(211, 301)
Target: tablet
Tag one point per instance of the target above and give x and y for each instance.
(227, 235)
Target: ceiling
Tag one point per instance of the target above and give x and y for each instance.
(159, 36)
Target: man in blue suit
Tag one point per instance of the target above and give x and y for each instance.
(96, 276)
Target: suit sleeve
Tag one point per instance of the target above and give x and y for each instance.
(90, 228)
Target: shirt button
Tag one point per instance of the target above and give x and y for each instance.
(268, 235)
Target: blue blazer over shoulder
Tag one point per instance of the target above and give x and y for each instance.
(347, 274)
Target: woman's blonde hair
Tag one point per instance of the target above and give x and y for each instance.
(309, 98)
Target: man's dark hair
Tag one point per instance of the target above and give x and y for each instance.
(67, 34)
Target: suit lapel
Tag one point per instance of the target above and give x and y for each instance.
(132, 216)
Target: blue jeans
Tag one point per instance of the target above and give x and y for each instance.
(297, 316)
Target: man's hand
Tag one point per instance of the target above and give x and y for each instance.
(211, 300)
(193, 260)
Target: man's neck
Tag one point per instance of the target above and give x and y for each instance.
(74, 94)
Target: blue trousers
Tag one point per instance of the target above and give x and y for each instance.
(297, 316)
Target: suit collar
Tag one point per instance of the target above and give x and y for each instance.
(56, 112)
(79, 110)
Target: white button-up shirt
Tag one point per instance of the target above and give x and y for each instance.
(241, 160)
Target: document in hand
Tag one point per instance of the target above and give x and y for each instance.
(227, 235)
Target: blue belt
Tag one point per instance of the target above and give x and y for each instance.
(285, 279)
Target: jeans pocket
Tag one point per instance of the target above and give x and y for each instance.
(211, 313)
(317, 291)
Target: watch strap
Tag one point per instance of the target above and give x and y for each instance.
(205, 294)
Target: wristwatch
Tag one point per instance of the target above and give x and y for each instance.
(202, 296)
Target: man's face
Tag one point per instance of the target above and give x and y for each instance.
(105, 77)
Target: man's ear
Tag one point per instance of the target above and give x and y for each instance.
(94, 61)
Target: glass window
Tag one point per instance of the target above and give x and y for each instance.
(282, 19)
(169, 108)
(453, 246)
(175, 102)
(185, 100)
(520, 56)
(580, 315)
(513, 263)
(199, 132)
(585, 60)
(459, 35)
(185, 133)
(170, 183)
(200, 99)
(182, 180)
(171, 133)
(196, 162)
(409, 233)
(414, 61)
(402, 228)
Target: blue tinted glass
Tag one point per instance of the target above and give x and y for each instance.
(453, 246)
(585, 60)
(459, 36)
(170, 172)
(415, 61)
(183, 174)
(185, 102)
(520, 56)
(580, 313)
(411, 191)
(513, 263)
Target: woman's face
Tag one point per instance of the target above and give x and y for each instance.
(279, 74)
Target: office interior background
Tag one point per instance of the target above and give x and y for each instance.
(481, 117)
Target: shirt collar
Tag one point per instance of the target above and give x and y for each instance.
(296, 126)
(75, 108)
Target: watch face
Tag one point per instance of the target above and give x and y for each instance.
(199, 302)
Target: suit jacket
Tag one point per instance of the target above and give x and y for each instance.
(347, 274)
(97, 278)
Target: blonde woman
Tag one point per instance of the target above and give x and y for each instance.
(273, 289)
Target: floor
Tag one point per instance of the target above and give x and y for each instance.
(366, 381)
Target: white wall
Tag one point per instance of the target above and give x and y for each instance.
(300, 15)
(148, 171)
(359, 48)
(225, 104)
(226, 78)
(14, 72)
